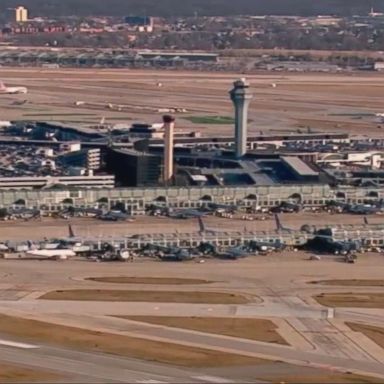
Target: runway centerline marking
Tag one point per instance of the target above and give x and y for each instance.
(15, 344)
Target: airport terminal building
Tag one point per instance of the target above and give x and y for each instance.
(137, 199)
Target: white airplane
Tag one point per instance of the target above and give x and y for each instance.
(55, 254)
(11, 90)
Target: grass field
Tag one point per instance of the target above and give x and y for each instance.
(195, 297)
(358, 300)
(254, 329)
(351, 283)
(11, 373)
(376, 334)
(83, 339)
(147, 280)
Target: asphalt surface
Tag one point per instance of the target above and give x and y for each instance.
(92, 367)
(318, 337)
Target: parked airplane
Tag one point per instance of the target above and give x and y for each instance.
(231, 208)
(167, 253)
(12, 90)
(55, 254)
(263, 247)
(5, 124)
(336, 206)
(157, 210)
(365, 209)
(71, 242)
(4, 247)
(359, 209)
(21, 213)
(111, 253)
(232, 253)
(287, 207)
(177, 254)
(74, 211)
(325, 242)
(186, 214)
(115, 216)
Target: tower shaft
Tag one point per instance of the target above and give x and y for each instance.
(169, 125)
(241, 97)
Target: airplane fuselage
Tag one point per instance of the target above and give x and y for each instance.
(51, 253)
(13, 90)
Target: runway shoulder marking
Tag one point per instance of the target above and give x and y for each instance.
(14, 344)
(213, 379)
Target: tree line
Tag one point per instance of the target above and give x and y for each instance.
(169, 8)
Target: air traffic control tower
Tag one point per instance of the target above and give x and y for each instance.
(241, 97)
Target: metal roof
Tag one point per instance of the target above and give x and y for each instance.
(299, 166)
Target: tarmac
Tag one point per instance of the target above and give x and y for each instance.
(95, 368)
(327, 102)
(317, 336)
(88, 227)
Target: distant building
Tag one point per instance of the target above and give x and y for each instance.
(299, 66)
(37, 182)
(139, 21)
(87, 158)
(21, 14)
(133, 168)
(70, 146)
(179, 55)
(150, 131)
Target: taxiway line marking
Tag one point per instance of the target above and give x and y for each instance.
(213, 379)
(15, 344)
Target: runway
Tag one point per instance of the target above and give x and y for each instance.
(333, 351)
(81, 367)
(164, 309)
(317, 338)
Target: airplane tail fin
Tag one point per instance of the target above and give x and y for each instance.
(2, 85)
(279, 226)
(201, 224)
(366, 220)
(70, 230)
(31, 245)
